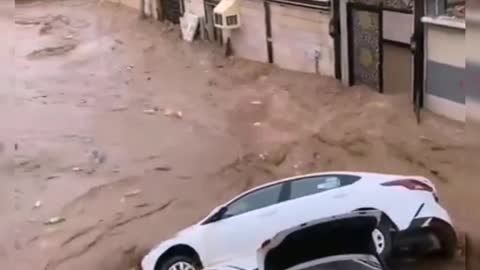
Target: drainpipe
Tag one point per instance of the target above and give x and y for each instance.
(142, 10)
(317, 61)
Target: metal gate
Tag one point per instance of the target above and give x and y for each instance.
(171, 10)
(365, 37)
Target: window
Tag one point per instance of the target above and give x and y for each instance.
(455, 8)
(218, 19)
(313, 185)
(232, 20)
(255, 200)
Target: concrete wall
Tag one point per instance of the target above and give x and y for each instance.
(130, 3)
(249, 41)
(445, 70)
(298, 36)
(149, 5)
(397, 26)
(195, 7)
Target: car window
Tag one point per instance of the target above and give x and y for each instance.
(257, 199)
(312, 185)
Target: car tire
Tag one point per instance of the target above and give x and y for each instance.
(382, 239)
(448, 242)
(181, 263)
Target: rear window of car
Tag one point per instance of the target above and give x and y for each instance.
(316, 184)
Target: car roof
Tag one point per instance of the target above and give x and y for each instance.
(292, 178)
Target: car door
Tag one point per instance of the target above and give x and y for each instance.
(247, 222)
(317, 197)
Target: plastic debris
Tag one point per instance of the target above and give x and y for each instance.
(256, 102)
(55, 220)
(170, 112)
(163, 168)
(257, 124)
(38, 204)
(132, 193)
(76, 169)
(151, 111)
(51, 177)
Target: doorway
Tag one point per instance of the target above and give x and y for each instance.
(365, 44)
(213, 33)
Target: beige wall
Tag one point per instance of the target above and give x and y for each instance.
(150, 5)
(130, 3)
(249, 41)
(298, 34)
(446, 45)
(195, 7)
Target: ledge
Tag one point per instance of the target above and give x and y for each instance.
(445, 21)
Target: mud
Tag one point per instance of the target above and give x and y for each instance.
(75, 135)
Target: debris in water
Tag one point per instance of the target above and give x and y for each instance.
(170, 112)
(132, 193)
(98, 156)
(38, 204)
(424, 138)
(51, 177)
(142, 205)
(163, 168)
(68, 36)
(55, 220)
(256, 102)
(15, 146)
(257, 124)
(150, 111)
(119, 109)
(76, 169)
(52, 51)
(130, 67)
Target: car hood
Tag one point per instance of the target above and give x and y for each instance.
(339, 235)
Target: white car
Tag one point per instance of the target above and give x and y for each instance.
(412, 217)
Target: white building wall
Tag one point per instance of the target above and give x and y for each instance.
(195, 7)
(300, 38)
(249, 41)
(445, 61)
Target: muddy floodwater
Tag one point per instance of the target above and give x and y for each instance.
(115, 133)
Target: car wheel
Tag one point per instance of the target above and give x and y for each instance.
(382, 239)
(180, 263)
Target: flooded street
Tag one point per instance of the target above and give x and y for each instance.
(125, 134)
